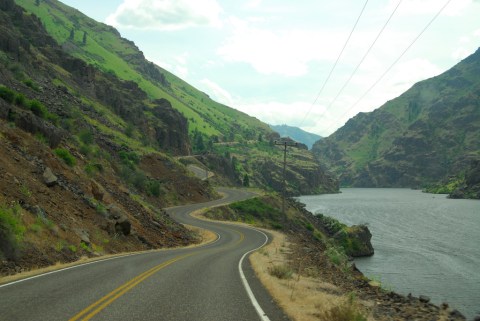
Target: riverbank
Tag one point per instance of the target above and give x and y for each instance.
(310, 277)
(423, 242)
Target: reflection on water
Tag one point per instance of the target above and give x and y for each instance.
(424, 243)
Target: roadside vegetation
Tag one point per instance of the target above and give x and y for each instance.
(292, 274)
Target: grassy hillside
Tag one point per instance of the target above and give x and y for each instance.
(211, 126)
(105, 48)
(428, 134)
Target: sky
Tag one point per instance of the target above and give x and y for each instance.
(289, 62)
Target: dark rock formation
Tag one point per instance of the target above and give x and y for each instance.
(172, 133)
(471, 188)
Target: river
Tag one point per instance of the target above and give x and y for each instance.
(424, 243)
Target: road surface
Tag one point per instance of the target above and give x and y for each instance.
(202, 283)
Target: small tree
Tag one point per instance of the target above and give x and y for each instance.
(84, 41)
(37, 2)
(72, 35)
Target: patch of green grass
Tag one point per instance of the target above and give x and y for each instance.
(12, 231)
(65, 156)
(85, 247)
(7, 94)
(60, 245)
(25, 191)
(336, 255)
(20, 100)
(38, 108)
(31, 84)
(93, 168)
(72, 248)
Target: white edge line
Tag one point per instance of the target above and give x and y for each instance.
(84, 264)
(263, 316)
(68, 268)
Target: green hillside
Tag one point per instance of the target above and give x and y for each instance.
(428, 134)
(106, 49)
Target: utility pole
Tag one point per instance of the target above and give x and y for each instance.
(285, 144)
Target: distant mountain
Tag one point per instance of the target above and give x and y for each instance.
(297, 134)
(428, 134)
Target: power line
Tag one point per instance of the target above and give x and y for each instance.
(335, 64)
(396, 60)
(364, 56)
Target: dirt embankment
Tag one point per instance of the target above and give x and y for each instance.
(51, 212)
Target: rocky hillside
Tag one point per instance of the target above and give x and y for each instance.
(84, 167)
(90, 140)
(429, 133)
(209, 126)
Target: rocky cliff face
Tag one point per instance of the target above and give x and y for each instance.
(430, 132)
(83, 166)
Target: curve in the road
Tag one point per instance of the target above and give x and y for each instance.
(202, 283)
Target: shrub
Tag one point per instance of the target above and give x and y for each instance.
(153, 188)
(20, 100)
(283, 272)
(38, 108)
(7, 94)
(31, 84)
(336, 255)
(129, 158)
(91, 169)
(65, 156)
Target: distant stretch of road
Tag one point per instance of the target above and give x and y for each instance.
(211, 282)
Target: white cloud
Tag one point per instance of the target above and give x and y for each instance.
(166, 14)
(429, 7)
(279, 52)
(217, 93)
(253, 3)
(299, 113)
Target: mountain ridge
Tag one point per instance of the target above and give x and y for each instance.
(428, 133)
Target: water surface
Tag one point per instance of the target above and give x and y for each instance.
(424, 243)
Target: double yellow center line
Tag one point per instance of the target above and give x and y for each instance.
(93, 309)
(96, 307)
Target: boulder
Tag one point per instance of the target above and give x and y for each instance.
(97, 191)
(49, 178)
(83, 235)
(424, 299)
(120, 219)
(359, 241)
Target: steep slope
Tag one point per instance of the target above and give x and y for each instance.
(296, 134)
(81, 172)
(90, 156)
(430, 132)
(102, 46)
(210, 125)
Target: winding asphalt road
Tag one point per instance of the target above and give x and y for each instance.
(211, 282)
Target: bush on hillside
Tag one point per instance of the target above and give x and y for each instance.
(65, 156)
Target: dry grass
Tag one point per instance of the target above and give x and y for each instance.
(302, 298)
